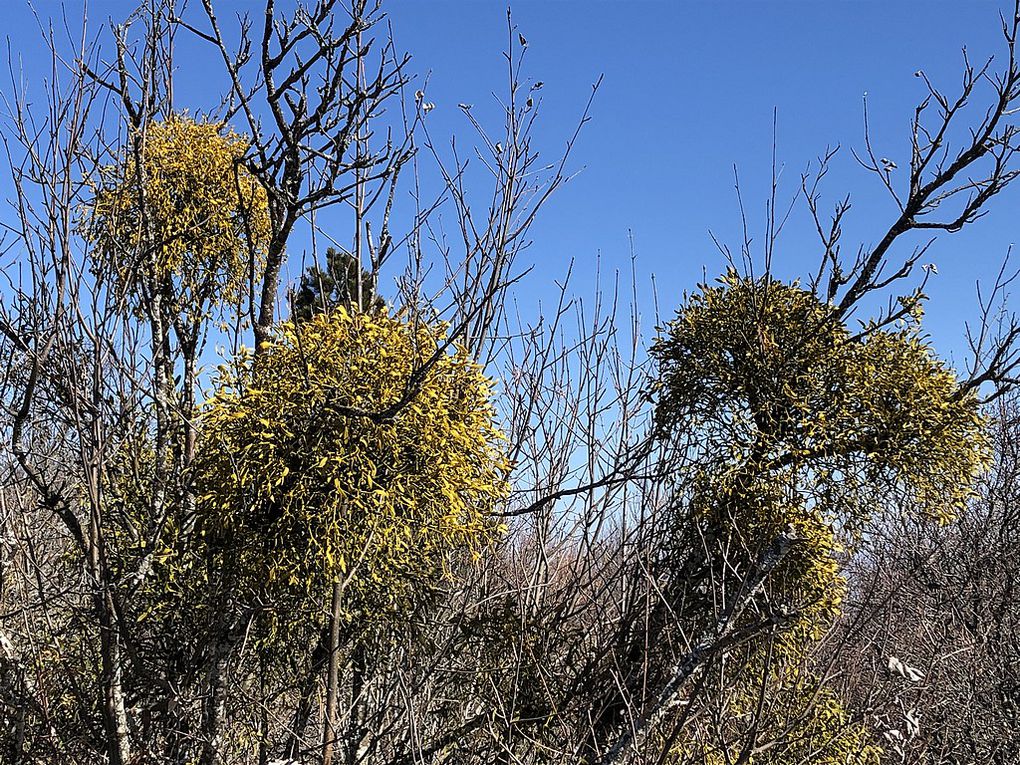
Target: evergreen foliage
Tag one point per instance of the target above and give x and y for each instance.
(304, 479)
(341, 283)
(793, 425)
(180, 218)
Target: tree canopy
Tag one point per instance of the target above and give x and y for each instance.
(341, 282)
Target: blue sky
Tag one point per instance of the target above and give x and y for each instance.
(689, 91)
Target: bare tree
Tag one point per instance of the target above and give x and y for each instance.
(608, 623)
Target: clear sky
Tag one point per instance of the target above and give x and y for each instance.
(689, 91)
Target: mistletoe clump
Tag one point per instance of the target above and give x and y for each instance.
(796, 429)
(353, 448)
(180, 218)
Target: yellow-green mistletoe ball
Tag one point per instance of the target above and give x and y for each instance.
(181, 214)
(352, 448)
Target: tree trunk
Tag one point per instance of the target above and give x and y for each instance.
(358, 673)
(215, 704)
(303, 713)
(329, 735)
(115, 723)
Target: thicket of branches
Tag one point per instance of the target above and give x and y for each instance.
(333, 521)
